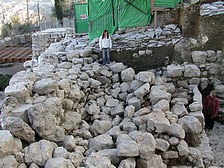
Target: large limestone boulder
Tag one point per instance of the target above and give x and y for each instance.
(18, 90)
(126, 146)
(146, 76)
(45, 123)
(159, 92)
(8, 144)
(59, 162)
(96, 160)
(19, 129)
(174, 71)
(146, 143)
(157, 121)
(44, 86)
(23, 76)
(190, 124)
(101, 142)
(191, 70)
(154, 161)
(8, 162)
(39, 152)
(199, 57)
(127, 74)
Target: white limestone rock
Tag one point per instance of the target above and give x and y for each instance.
(156, 120)
(59, 162)
(134, 85)
(129, 111)
(18, 90)
(146, 143)
(162, 144)
(76, 158)
(154, 161)
(126, 146)
(60, 152)
(190, 124)
(39, 152)
(19, 128)
(69, 143)
(174, 71)
(100, 127)
(135, 102)
(182, 148)
(199, 57)
(179, 109)
(117, 67)
(142, 91)
(96, 160)
(21, 111)
(196, 106)
(146, 76)
(214, 68)
(101, 142)
(45, 123)
(162, 105)
(191, 70)
(23, 76)
(115, 132)
(8, 144)
(127, 74)
(112, 102)
(117, 110)
(159, 92)
(129, 162)
(71, 120)
(110, 154)
(44, 86)
(8, 162)
(176, 130)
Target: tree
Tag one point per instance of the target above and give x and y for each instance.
(58, 10)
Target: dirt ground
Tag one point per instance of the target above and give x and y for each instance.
(216, 141)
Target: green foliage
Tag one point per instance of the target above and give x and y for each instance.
(58, 10)
(62, 9)
(4, 81)
(6, 30)
(15, 28)
(22, 28)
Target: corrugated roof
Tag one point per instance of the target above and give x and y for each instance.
(15, 54)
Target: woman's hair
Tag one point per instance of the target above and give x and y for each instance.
(212, 93)
(104, 33)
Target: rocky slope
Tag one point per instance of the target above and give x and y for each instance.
(67, 110)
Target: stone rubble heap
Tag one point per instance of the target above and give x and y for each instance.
(67, 110)
(215, 8)
(144, 37)
(130, 39)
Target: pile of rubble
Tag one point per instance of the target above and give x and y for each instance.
(67, 110)
(132, 39)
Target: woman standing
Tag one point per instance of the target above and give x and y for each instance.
(105, 44)
(210, 109)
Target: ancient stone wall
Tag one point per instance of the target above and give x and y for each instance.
(42, 40)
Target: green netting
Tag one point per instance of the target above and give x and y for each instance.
(102, 15)
(81, 18)
(165, 3)
(134, 13)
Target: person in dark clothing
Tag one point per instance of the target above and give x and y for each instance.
(210, 109)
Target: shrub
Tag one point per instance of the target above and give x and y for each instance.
(4, 81)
